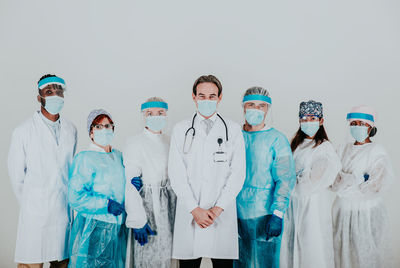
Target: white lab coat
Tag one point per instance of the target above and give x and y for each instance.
(38, 170)
(199, 181)
(360, 221)
(307, 236)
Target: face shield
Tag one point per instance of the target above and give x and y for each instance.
(257, 110)
(155, 115)
(52, 93)
(54, 80)
(361, 126)
(103, 133)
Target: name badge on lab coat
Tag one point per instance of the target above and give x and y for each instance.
(220, 157)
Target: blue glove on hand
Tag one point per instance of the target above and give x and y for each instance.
(366, 177)
(115, 208)
(137, 182)
(141, 234)
(274, 226)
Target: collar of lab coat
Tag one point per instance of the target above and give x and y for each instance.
(212, 118)
(38, 115)
(38, 119)
(47, 121)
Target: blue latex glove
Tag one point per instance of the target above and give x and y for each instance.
(141, 234)
(274, 226)
(137, 182)
(366, 177)
(115, 208)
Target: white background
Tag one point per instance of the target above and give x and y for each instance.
(115, 54)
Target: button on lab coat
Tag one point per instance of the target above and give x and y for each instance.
(198, 180)
(38, 170)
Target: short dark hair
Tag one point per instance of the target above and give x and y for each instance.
(207, 79)
(373, 132)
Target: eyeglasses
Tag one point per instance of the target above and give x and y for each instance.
(309, 119)
(106, 126)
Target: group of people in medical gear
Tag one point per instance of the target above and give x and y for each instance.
(353, 231)
(243, 196)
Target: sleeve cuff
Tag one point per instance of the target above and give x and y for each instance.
(135, 224)
(191, 206)
(221, 205)
(278, 213)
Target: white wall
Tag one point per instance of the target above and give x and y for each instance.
(114, 54)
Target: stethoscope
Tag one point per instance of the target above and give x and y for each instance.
(194, 133)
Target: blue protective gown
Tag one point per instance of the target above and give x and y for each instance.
(98, 238)
(270, 178)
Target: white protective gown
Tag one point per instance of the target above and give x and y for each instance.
(307, 236)
(146, 155)
(198, 180)
(360, 220)
(38, 169)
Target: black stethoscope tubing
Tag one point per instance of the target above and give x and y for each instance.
(194, 130)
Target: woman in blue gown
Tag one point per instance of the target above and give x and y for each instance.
(96, 193)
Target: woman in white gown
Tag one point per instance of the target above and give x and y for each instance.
(360, 220)
(307, 236)
(145, 160)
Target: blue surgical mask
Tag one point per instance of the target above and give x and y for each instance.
(207, 107)
(254, 116)
(103, 137)
(156, 123)
(359, 133)
(54, 104)
(310, 128)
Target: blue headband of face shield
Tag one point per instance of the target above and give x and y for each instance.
(257, 97)
(154, 104)
(369, 117)
(51, 80)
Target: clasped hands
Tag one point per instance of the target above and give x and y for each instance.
(206, 217)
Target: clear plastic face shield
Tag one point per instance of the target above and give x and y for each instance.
(155, 115)
(257, 111)
(361, 128)
(52, 86)
(51, 94)
(102, 133)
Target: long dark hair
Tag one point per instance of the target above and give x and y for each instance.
(300, 136)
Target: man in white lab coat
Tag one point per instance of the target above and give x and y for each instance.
(207, 170)
(41, 151)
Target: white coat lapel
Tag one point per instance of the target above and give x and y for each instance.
(44, 129)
